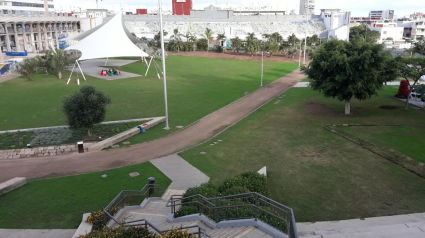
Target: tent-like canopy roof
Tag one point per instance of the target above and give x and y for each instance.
(110, 39)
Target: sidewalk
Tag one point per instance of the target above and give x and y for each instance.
(36, 233)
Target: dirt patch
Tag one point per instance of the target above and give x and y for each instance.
(317, 109)
(235, 56)
(386, 107)
(139, 92)
(221, 69)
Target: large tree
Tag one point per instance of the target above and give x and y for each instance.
(85, 108)
(237, 44)
(60, 62)
(419, 47)
(346, 70)
(364, 32)
(272, 46)
(412, 69)
(292, 39)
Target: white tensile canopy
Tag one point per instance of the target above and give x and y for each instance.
(110, 39)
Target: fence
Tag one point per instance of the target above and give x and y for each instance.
(241, 206)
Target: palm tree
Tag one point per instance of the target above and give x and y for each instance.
(222, 38)
(251, 36)
(208, 35)
(176, 35)
(45, 61)
(292, 39)
(266, 36)
(60, 62)
(28, 68)
(236, 44)
(278, 37)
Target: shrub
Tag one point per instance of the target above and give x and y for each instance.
(403, 90)
(99, 220)
(235, 190)
(208, 190)
(28, 68)
(253, 181)
(176, 233)
(187, 210)
(85, 108)
(202, 44)
(218, 48)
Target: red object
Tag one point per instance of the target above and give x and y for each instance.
(182, 7)
(403, 90)
(145, 124)
(141, 11)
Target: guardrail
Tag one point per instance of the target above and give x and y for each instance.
(136, 197)
(241, 206)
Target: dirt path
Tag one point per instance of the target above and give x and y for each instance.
(235, 56)
(198, 132)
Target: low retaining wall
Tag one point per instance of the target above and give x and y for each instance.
(12, 184)
(124, 135)
(84, 228)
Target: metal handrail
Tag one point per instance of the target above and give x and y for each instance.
(201, 231)
(253, 200)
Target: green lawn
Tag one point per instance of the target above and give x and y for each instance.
(321, 175)
(408, 140)
(196, 87)
(60, 203)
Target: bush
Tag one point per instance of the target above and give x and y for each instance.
(253, 181)
(235, 190)
(218, 48)
(176, 233)
(403, 90)
(188, 46)
(187, 210)
(202, 45)
(99, 219)
(208, 190)
(85, 108)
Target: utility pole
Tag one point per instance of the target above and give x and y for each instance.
(167, 127)
(305, 46)
(299, 60)
(262, 67)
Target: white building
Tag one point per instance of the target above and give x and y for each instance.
(382, 14)
(413, 30)
(12, 7)
(336, 23)
(307, 7)
(390, 32)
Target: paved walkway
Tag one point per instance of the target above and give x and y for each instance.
(93, 68)
(9, 77)
(412, 226)
(305, 84)
(202, 130)
(183, 174)
(36, 233)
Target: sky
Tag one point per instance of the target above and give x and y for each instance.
(357, 7)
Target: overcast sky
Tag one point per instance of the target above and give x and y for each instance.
(357, 7)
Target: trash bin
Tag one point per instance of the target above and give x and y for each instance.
(151, 184)
(80, 147)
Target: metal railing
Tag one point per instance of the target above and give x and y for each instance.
(241, 206)
(136, 197)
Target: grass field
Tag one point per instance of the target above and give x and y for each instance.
(321, 175)
(196, 87)
(60, 203)
(408, 140)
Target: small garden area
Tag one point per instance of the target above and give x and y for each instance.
(59, 203)
(61, 136)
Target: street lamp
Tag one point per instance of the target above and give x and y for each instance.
(299, 60)
(262, 67)
(167, 127)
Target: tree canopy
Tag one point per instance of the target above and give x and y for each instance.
(412, 69)
(346, 70)
(85, 108)
(364, 32)
(419, 47)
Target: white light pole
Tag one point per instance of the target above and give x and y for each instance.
(262, 67)
(163, 65)
(305, 46)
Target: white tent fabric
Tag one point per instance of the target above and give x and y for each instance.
(109, 40)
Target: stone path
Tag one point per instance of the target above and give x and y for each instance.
(200, 131)
(305, 84)
(93, 68)
(412, 226)
(183, 174)
(35, 233)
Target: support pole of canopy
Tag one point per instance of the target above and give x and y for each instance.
(167, 127)
(84, 77)
(72, 71)
(156, 69)
(106, 60)
(149, 65)
(159, 68)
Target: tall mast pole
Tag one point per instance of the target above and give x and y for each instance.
(167, 127)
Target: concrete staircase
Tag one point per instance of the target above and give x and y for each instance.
(156, 212)
(409, 226)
